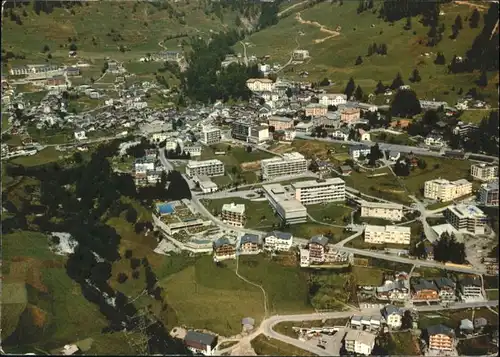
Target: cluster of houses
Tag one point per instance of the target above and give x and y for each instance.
(400, 289)
(317, 252)
(147, 170)
(227, 248)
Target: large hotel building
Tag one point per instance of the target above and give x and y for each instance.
(319, 191)
(290, 164)
(207, 167)
(444, 190)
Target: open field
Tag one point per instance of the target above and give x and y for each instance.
(403, 344)
(333, 213)
(369, 276)
(318, 149)
(264, 346)
(211, 297)
(357, 32)
(286, 287)
(385, 187)
(478, 346)
(452, 318)
(309, 229)
(259, 213)
(100, 29)
(45, 156)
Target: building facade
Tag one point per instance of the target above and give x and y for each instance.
(441, 338)
(278, 241)
(280, 123)
(484, 172)
(350, 115)
(387, 234)
(260, 84)
(233, 214)
(315, 109)
(360, 342)
(488, 194)
(332, 99)
(250, 244)
(290, 164)
(319, 191)
(318, 246)
(466, 218)
(389, 211)
(224, 249)
(208, 168)
(211, 136)
(444, 190)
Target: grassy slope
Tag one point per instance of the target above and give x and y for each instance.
(334, 58)
(141, 30)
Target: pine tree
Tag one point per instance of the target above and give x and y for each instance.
(370, 50)
(474, 19)
(358, 94)
(458, 22)
(359, 60)
(350, 87)
(440, 59)
(397, 82)
(415, 76)
(380, 88)
(382, 49)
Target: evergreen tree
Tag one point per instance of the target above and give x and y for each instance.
(415, 76)
(405, 104)
(358, 94)
(397, 82)
(350, 88)
(359, 60)
(380, 88)
(440, 60)
(458, 22)
(474, 19)
(382, 50)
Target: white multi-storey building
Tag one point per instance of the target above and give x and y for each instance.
(444, 190)
(319, 191)
(258, 134)
(361, 342)
(389, 211)
(387, 234)
(260, 84)
(466, 218)
(287, 207)
(278, 241)
(290, 164)
(211, 136)
(208, 168)
(332, 99)
(233, 214)
(484, 172)
(193, 150)
(488, 193)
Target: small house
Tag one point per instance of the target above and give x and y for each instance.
(199, 342)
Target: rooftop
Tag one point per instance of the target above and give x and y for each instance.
(235, 208)
(193, 164)
(361, 337)
(199, 337)
(280, 235)
(381, 205)
(467, 211)
(317, 183)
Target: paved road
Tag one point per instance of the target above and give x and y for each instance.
(388, 147)
(399, 259)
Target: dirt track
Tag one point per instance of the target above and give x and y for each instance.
(322, 28)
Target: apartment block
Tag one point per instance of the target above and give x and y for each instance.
(471, 288)
(389, 211)
(208, 168)
(441, 337)
(484, 172)
(287, 207)
(278, 241)
(280, 123)
(233, 214)
(258, 134)
(290, 164)
(318, 246)
(316, 109)
(488, 193)
(319, 191)
(444, 190)
(387, 234)
(211, 136)
(466, 218)
(361, 342)
(240, 130)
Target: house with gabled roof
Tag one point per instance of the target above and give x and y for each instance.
(223, 249)
(250, 244)
(278, 241)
